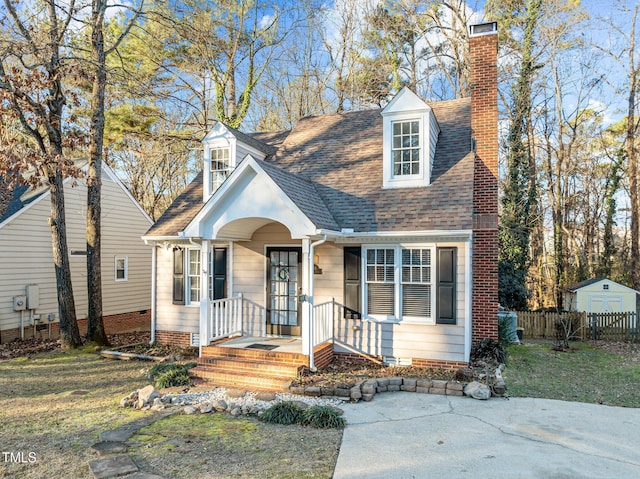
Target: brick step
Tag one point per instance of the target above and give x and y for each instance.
(221, 378)
(254, 354)
(260, 368)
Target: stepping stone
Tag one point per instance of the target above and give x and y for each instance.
(113, 466)
(143, 475)
(235, 393)
(106, 448)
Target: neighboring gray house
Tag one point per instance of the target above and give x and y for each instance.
(28, 292)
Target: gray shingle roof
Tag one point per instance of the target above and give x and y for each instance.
(304, 194)
(338, 157)
(12, 201)
(181, 212)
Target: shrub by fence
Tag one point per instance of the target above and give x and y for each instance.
(609, 326)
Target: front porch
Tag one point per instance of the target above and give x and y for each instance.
(224, 319)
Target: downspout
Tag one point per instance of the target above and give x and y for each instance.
(312, 247)
(154, 254)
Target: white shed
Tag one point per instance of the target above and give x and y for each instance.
(600, 295)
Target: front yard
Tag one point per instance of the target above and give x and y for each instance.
(54, 405)
(594, 372)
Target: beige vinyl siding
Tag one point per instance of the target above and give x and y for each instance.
(331, 282)
(408, 340)
(26, 254)
(169, 316)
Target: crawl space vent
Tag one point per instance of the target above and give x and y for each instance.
(393, 361)
(195, 339)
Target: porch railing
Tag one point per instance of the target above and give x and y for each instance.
(322, 325)
(225, 317)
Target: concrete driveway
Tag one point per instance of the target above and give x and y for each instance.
(409, 435)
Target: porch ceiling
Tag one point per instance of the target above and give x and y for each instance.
(243, 228)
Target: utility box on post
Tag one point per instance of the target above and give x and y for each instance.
(32, 292)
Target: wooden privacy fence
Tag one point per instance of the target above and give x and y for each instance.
(609, 326)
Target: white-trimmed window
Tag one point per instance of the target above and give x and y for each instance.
(409, 137)
(399, 283)
(121, 268)
(193, 276)
(405, 148)
(380, 280)
(186, 276)
(416, 283)
(219, 166)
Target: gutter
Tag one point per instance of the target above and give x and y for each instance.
(154, 274)
(312, 247)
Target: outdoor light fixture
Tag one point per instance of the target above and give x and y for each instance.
(316, 264)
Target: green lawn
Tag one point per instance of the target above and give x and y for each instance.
(583, 374)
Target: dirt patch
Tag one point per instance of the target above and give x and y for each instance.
(158, 350)
(29, 347)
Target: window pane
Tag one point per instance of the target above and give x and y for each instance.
(414, 127)
(396, 128)
(389, 256)
(381, 299)
(416, 300)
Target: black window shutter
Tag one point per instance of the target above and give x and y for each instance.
(352, 283)
(178, 276)
(446, 299)
(219, 273)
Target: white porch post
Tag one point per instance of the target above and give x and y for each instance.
(306, 305)
(205, 334)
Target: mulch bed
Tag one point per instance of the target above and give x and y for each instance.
(28, 347)
(346, 373)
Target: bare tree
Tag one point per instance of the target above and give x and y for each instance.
(33, 72)
(99, 53)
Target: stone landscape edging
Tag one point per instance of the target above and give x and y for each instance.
(368, 388)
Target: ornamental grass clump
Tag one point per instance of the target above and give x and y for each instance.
(285, 412)
(166, 375)
(323, 417)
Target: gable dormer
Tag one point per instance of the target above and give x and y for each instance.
(223, 150)
(410, 133)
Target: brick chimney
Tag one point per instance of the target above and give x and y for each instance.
(483, 46)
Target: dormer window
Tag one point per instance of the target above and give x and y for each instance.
(406, 148)
(410, 133)
(220, 167)
(224, 149)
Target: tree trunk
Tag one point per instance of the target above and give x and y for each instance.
(69, 333)
(95, 324)
(633, 160)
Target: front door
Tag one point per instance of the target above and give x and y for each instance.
(284, 268)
